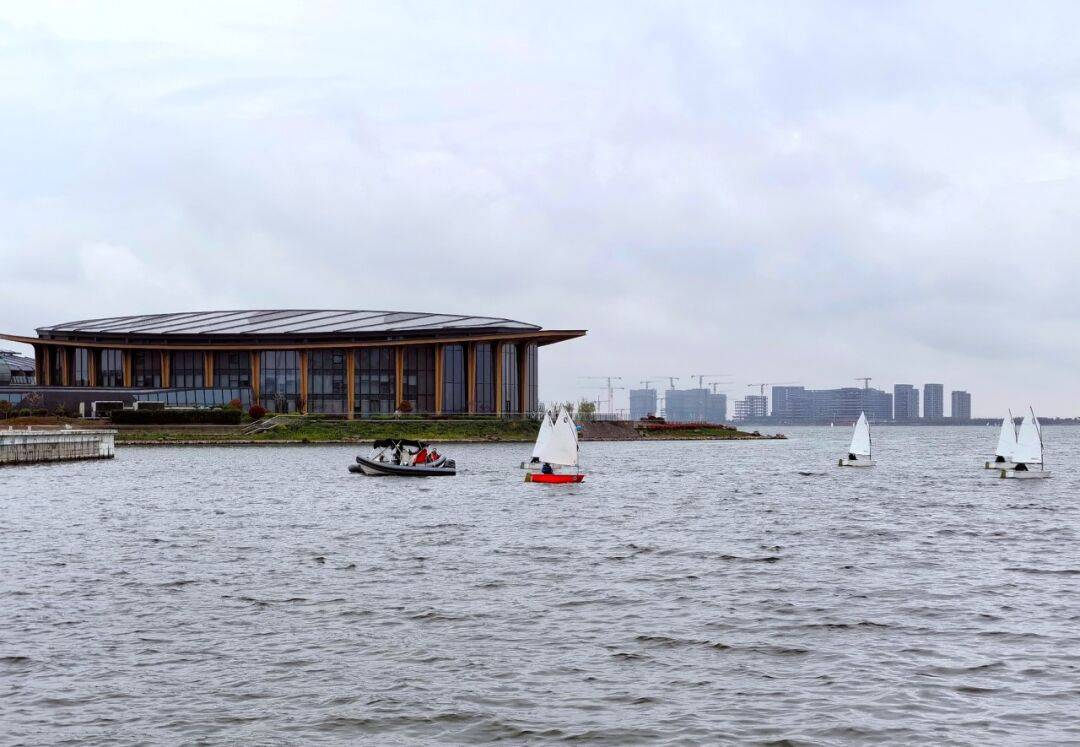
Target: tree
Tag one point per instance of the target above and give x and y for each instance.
(586, 409)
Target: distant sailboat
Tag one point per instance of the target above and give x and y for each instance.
(1003, 455)
(1029, 451)
(558, 449)
(860, 454)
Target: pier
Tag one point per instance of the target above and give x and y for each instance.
(30, 446)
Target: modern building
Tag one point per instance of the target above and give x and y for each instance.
(905, 403)
(15, 369)
(752, 407)
(961, 405)
(933, 401)
(796, 404)
(695, 406)
(352, 363)
(642, 403)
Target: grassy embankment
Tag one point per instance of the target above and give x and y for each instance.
(319, 430)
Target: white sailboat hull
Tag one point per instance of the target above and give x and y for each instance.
(1000, 465)
(856, 463)
(1031, 474)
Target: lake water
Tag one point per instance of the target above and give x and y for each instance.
(686, 593)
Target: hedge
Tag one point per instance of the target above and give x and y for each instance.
(176, 417)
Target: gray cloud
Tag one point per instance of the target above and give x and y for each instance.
(806, 192)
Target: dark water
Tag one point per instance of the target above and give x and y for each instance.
(686, 593)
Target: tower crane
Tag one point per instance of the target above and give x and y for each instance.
(671, 379)
(610, 380)
(701, 378)
(770, 383)
(865, 380)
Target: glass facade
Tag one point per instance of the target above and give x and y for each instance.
(418, 373)
(186, 369)
(81, 370)
(279, 380)
(56, 371)
(375, 384)
(510, 400)
(198, 397)
(146, 369)
(232, 370)
(455, 391)
(485, 377)
(532, 389)
(327, 391)
(110, 371)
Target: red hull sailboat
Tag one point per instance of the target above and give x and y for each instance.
(556, 447)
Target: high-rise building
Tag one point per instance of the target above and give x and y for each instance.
(686, 405)
(796, 404)
(642, 403)
(961, 405)
(905, 402)
(716, 411)
(753, 407)
(933, 401)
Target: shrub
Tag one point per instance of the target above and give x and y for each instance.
(234, 404)
(24, 412)
(404, 406)
(175, 417)
(256, 412)
(60, 411)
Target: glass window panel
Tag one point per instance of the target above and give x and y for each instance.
(279, 380)
(326, 381)
(186, 369)
(455, 392)
(110, 371)
(81, 370)
(146, 369)
(418, 373)
(485, 377)
(510, 399)
(376, 385)
(232, 370)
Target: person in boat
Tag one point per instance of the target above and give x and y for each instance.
(999, 458)
(421, 456)
(534, 460)
(396, 458)
(547, 469)
(1021, 467)
(852, 458)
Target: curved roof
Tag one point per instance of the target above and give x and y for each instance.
(288, 322)
(16, 362)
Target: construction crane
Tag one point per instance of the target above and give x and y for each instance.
(645, 382)
(865, 380)
(770, 383)
(610, 380)
(701, 378)
(671, 379)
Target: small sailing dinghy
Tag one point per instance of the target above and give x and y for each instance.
(1029, 451)
(860, 454)
(393, 458)
(1003, 455)
(558, 449)
(546, 426)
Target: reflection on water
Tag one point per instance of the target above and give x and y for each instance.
(687, 592)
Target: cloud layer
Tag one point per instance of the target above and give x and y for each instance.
(789, 192)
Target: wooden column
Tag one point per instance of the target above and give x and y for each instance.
(46, 357)
(208, 369)
(438, 379)
(304, 374)
(65, 366)
(399, 375)
(165, 369)
(129, 377)
(470, 376)
(39, 364)
(93, 362)
(254, 357)
(498, 378)
(350, 383)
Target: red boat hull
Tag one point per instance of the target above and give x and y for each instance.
(552, 479)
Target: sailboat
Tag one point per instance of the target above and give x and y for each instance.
(860, 454)
(1003, 454)
(558, 449)
(1029, 451)
(546, 426)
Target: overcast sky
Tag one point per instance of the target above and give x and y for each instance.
(778, 192)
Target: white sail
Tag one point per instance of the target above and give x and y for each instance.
(543, 435)
(1007, 438)
(561, 446)
(860, 439)
(1028, 442)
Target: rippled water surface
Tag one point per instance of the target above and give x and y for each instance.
(685, 593)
